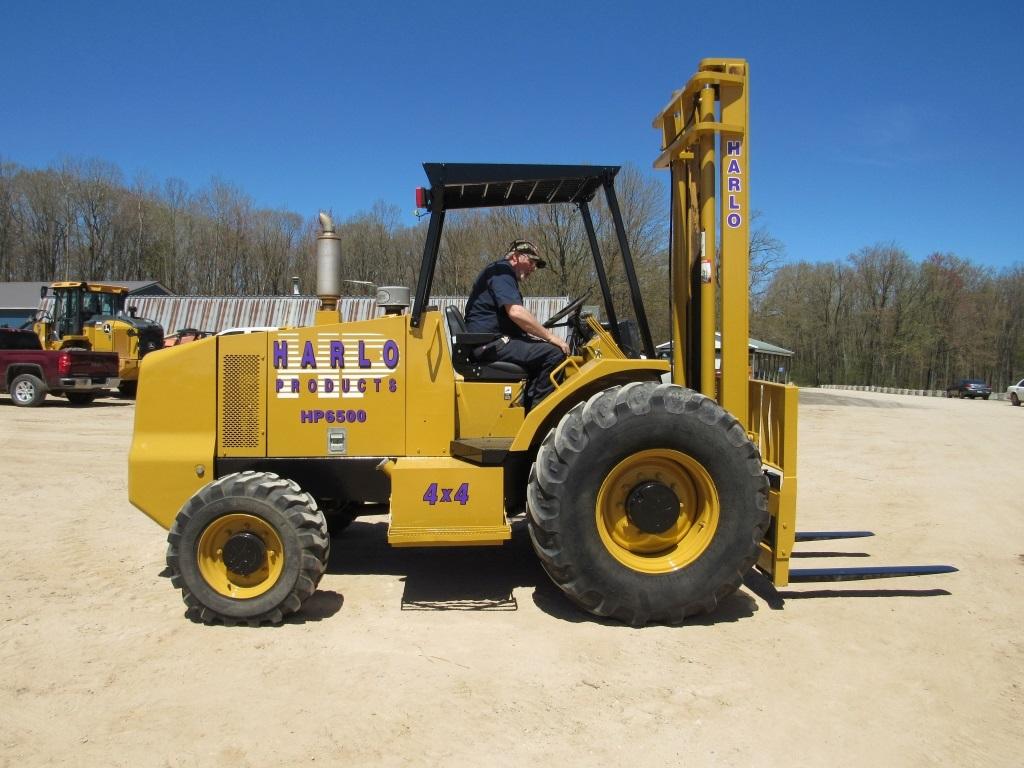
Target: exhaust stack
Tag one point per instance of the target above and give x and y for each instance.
(328, 265)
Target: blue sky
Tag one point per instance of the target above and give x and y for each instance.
(871, 121)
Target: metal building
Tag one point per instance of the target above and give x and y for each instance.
(217, 313)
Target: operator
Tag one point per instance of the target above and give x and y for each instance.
(496, 306)
(90, 307)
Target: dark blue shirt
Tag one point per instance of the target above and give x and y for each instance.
(495, 288)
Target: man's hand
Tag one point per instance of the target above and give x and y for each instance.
(560, 343)
(525, 319)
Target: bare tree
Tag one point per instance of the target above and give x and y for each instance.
(767, 254)
(9, 223)
(93, 187)
(45, 224)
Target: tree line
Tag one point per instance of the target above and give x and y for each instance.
(877, 317)
(81, 220)
(880, 318)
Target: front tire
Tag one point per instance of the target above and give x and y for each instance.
(647, 503)
(248, 548)
(1014, 400)
(27, 390)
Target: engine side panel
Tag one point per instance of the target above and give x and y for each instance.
(172, 449)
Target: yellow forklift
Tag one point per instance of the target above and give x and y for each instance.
(650, 487)
(94, 316)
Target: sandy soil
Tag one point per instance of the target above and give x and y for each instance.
(418, 657)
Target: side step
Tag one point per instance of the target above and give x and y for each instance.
(482, 451)
(798, 575)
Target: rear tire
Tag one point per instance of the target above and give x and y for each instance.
(248, 548)
(587, 492)
(27, 390)
(1014, 400)
(80, 398)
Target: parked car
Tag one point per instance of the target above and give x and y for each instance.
(1016, 392)
(28, 372)
(971, 388)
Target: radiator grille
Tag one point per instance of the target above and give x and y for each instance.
(240, 381)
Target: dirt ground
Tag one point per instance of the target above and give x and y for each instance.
(424, 657)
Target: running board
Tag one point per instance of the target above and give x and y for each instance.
(856, 574)
(828, 535)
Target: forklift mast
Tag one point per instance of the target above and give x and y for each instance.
(705, 146)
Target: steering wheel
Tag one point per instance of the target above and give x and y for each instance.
(573, 306)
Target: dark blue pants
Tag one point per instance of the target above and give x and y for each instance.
(539, 359)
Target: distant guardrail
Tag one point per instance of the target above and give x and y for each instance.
(901, 391)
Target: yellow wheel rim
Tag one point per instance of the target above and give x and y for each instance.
(216, 573)
(684, 541)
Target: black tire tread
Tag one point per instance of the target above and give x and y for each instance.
(549, 494)
(300, 510)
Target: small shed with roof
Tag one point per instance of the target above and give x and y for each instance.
(768, 362)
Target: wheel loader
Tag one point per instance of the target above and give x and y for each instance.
(649, 487)
(94, 316)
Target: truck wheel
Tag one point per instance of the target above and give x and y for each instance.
(80, 398)
(27, 390)
(647, 503)
(248, 548)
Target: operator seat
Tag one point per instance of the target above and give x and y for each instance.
(466, 344)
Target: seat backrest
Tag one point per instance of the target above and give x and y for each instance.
(462, 352)
(456, 323)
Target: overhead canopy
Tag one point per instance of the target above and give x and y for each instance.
(482, 185)
(489, 185)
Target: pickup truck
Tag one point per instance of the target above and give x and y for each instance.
(28, 372)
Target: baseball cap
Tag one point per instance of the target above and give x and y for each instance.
(528, 248)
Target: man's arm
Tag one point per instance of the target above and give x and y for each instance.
(524, 318)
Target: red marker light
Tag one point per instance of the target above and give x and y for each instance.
(422, 198)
